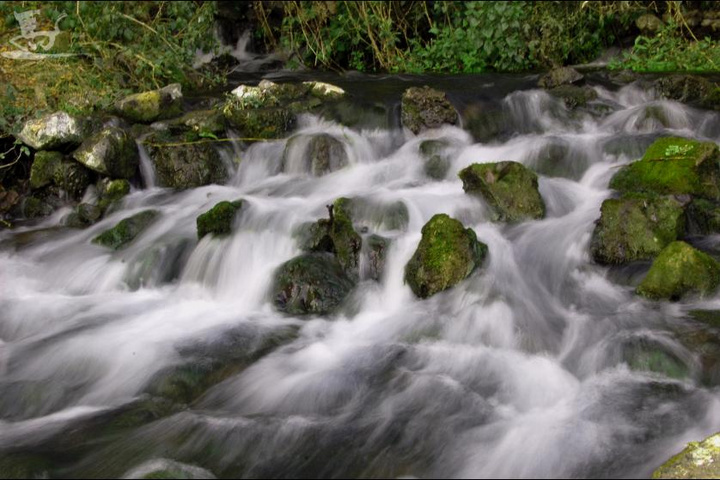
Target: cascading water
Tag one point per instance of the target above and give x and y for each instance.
(519, 371)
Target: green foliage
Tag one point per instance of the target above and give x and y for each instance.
(670, 51)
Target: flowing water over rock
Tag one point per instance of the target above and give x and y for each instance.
(542, 364)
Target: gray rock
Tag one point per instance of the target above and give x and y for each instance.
(53, 131)
(424, 108)
(154, 105)
(560, 76)
(110, 152)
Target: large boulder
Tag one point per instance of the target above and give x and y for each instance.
(680, 270)
(697, 460)
(219, 219)
(111, 152)
(72, 178)
(447, 254)
(53, 131)
(148, 107)
(43, 168)
(636, 227)
(180, 165)
(423, 108)
(560, 76)
(126, 230)
(314, 283)
(674, 166)
(509, 188)
(318, 154)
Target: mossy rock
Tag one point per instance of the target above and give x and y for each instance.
(424, 108)
(486, 122)
(317, 154)
(346, 241)
(218, 220)
(311, 284)
(43, 168)
(83, 216)
(697, 460)
(684, 88)
(509, 188)
(21, 465)
(126, 230)
(447, 254)
(111, 191)
(674, 166)
(147, 107)
(182, 165)
(53, 131)
(645, 355)
(574, 96)
(315, 236)
(560, 76)
(680, 270)
(111, 152)
(73, 178)
(703, 217)
(268, 94)
(262, 124)
(201, 122)
(636, 227)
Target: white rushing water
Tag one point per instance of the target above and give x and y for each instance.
(516, 372)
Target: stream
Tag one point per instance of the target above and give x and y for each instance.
(541, 364)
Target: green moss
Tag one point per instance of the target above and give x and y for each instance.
(697, 460)
(43, 168)
(268, 123)
(154, 105)
(703, 217)
(447, 254)
(18, 465)
(636, 227)
(346, 242)
(112, 191)
(218, 220)
(126, 230)
(680, 270)
(510, 190)
(673, 166)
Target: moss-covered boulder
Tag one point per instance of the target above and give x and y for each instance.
(560, 76)
(53, 131)
(697, 460)
(261, 123)
(314, 283)
(200, 122)
(111, 191)
(636, 227)
(72, 178)
(685, 88)
(126, 230)
(703, 217)
(43, 168)
(154, 105)
(509, 188)
(219, 219)
(680, 270)
(437, 161)
(317, 154)
(110, 152)
(424, 108)
(447, 254)
(674, 166)
(179, 164)
(574, 96)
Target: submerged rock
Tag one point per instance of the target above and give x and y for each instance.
(674, 166)
(54, 131)
(313, 283)
(126, 230)
(447, 254)
(686, 89)
(437, 162)
(318, 154)
(154, 105)
(180, 165)
(560, 76)
(218, 220)
(697, 460)
(163, 468)
(261, 124)
(83, 216)
(574, 96)
(510, 190)
(110, 152)
(377, 248)
(111, 191)
(423, 108)
(636, 227)
(680, 270)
